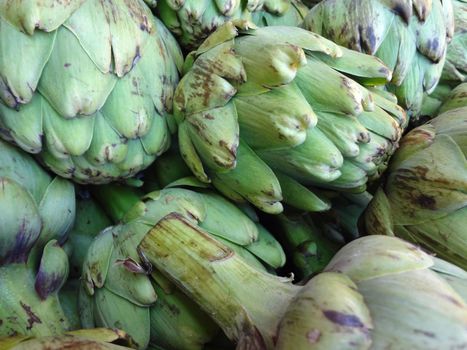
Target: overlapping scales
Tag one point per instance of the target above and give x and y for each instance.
(86, 85)
(268, 114)
(410, 37)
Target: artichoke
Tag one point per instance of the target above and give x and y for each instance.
(266, 114)
(377, 292)
(191, 21)
(117, 283)
(409, 36)
(455, 67)
(424, 197)
(37, 211)
(86, 85)
(85, 339)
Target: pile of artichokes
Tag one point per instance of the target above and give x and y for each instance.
(233, 174)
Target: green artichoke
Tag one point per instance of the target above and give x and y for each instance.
(192, 21)
(85, 339)
(118, 283)
(377, 292)
(410, 37)
(424, 197)
(266, 114)
(86, 85)
(455, 67)
(37, 211)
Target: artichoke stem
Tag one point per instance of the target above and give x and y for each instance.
(246, 302)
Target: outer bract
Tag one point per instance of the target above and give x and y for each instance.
(424, 198)
(87, 85)
(121, 290)
(268, 114)
(192, 21)
(37, 211)
(410, 37)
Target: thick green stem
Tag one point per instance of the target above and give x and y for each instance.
(116, 200)
(21, 309)
(246, 302)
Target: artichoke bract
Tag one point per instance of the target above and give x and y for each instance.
(377, 292)
(267, 114)
(424, 197)
(118, 283)
(86, 85)
(37, 211)
(191, 21)
(90, 220)
(410, 37)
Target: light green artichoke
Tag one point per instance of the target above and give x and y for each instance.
(266, 114)
(87, 85)
(118, 283)
(377, 292)
(424, 197)
(192, 21)
(410, 37)
(37, 211)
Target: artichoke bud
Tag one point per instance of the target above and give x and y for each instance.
(53, 270)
